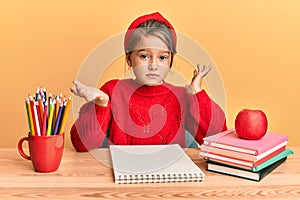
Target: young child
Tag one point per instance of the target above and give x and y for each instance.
(146, 110)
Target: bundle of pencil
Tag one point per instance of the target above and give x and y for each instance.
(46, 115)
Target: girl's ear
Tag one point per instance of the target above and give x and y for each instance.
(128, 60)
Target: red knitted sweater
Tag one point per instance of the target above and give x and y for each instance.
(138, 114)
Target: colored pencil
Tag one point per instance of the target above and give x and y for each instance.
(65, 114)
(39, 115)
(62, 115)
(44, 131)
(46, 115)
(51, 108)
(40, 101)
(56, 108)
(32, 106)
(57, 122)
(37, 93)
(44, 95)
(29, 115)
(37, 124)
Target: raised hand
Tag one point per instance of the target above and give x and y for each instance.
(89, 93)
(199, 74)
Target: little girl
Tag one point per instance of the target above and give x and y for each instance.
(146, 110)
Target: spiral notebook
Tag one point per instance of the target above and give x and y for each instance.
(153, 164)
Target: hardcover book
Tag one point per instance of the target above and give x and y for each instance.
(239, 162)
(207, 150)
(230, 141)
(267, 163)
(256, 176)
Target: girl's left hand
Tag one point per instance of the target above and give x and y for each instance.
(199, 74)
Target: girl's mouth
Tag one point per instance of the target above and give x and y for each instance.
(152, 75)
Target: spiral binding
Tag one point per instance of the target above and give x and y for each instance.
(158, 178)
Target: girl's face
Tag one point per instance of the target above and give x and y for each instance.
(150, 61)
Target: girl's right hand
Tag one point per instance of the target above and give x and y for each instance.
(89, 93)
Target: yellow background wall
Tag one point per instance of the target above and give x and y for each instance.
(255, 45)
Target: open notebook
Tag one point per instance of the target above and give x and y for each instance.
(153, 163)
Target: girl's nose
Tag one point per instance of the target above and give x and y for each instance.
(152, 64)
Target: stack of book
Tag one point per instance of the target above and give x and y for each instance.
(251, 159)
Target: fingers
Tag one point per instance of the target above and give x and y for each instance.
(75, 89)
(203, 71)
(204, 68)
(78, 89)
(208, 68)
(77, 83)
(89, 93)
(86, 92)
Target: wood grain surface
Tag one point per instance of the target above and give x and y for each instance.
(82, 176)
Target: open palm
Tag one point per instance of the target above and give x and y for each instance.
(199, 74)
(89, 93)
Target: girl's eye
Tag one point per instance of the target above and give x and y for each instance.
(163, 57)
(143, 56)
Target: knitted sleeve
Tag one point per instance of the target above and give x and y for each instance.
(89, 130)
(204, 116)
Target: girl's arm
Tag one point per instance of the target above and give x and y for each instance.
(204, 116)
(89, 130)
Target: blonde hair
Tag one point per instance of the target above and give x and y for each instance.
(154, 28)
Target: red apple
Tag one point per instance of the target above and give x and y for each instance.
(251, 124)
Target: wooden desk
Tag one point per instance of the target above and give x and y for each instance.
(81, 176)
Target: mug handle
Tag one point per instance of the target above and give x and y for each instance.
(20, 148)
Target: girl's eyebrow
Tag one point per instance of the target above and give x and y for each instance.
(162, 51)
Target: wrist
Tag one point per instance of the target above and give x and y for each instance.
(100, 101)
(197, 90)
(192, 90)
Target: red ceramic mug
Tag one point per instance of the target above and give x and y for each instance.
(45, 151)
